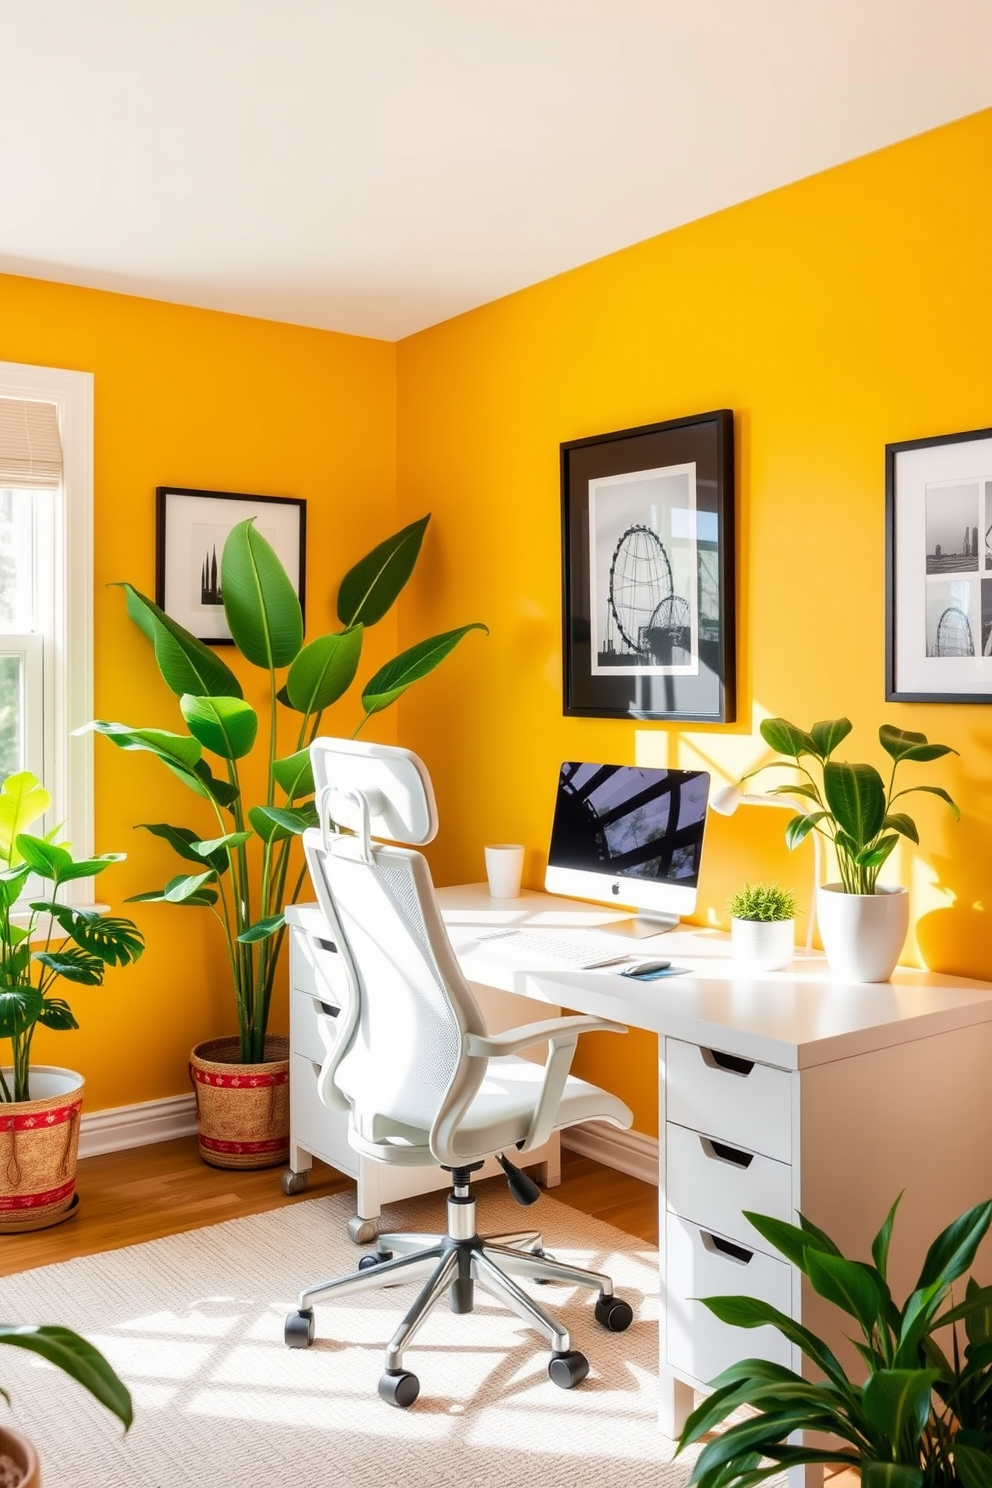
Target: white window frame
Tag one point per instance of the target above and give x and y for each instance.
(68, 700)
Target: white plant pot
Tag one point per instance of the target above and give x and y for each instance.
(863, 934)
(763, 945)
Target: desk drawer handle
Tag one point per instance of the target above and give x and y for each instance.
(723, 1153)
(325, 945)
(731, 1064)
(727, 1248)
(326, 1007)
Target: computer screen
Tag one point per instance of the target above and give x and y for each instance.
(628, 835)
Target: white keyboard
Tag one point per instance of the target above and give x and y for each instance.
(543, 950)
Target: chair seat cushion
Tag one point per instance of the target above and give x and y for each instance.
(502, 1111)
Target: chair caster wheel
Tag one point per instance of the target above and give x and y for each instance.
(398, 1387)
(362, 1231)
(568, 1370)
(375, 1258)
(294, 1183)
(542, 1255)
(298, 1331)
(613, 1314)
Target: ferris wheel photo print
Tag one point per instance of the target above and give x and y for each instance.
(648, 609)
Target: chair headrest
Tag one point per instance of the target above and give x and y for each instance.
(392, 784)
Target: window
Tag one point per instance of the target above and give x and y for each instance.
(46, 589)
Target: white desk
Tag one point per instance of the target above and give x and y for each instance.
(834, 1097)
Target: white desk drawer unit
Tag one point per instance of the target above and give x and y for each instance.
(728, 1147)
(315, 988)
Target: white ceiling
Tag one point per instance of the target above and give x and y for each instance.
(376, 166)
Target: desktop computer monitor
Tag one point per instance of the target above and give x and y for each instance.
(628, 835)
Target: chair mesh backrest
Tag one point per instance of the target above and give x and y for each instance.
(413, 1012)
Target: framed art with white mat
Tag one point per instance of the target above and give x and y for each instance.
(191, 528)
(938, 519)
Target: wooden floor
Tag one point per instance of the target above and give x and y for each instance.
(146, 1192)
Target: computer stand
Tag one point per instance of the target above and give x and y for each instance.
(643, 925)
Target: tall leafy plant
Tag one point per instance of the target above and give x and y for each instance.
(851, 805)
(241, 871)
(77, 945)
(919, 1419)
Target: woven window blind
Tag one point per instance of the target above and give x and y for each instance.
(30, 448)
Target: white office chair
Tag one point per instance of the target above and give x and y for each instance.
(408, 1056)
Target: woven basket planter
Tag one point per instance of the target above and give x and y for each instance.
(39, 1140)
(23, 1455)
(242, 1109)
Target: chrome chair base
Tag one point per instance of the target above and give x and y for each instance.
(452, 1265)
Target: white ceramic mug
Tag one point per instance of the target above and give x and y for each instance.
(504, 869)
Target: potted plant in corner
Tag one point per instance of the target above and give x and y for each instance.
(919, 1420)
(40, 1105)
(762, 926)
(862, 924)
(79, 1359)
(243, 868)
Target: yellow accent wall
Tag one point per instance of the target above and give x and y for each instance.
(220, 402)
(835, 315)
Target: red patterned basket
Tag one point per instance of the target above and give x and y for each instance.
(39, 1142)
(242, 1109)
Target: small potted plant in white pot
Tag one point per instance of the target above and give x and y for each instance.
(40, 944)
(763, 926)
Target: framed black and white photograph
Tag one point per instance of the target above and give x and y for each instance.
(938, 516)
(648, 571)
(191, 528)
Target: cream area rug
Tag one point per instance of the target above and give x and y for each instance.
(194, 1323)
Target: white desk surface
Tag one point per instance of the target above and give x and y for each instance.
(794, 1019)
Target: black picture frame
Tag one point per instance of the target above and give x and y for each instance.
(190, 529)
(648, 562)
(938, 569)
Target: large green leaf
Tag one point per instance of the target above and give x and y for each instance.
(792, 1241)
(785, 738)
(324, 670)
(19, 1009)
(186, 664)
(954, 1249)
(295, 774)
(368, 589)
(75, 965)
(77, 1358)
(978, 1324)
(118, 942)
(225, 725)
(897, 1403)
(12, 881)
(876, 853)
(848, 1285)
(221, 791)
(890, 1475)
(56, 863)
(903, 744)
(882, 1241)
(184, 887)
(751, 1312)
(392, 680)
(262, 929)
(856, 796)
(182, 839)
(798, 828)
(828, 734)
(260, 603)
(57, 1015)
(974, 1467)
(179, 748)
(199, 899)
(932, 790)
(215, 849)
(22, 802)
(899, 822)
(293, 820)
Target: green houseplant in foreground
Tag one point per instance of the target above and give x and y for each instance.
(241, 870)
(82, 1362)
(851, 805)
(919, 1420)
(77, 945)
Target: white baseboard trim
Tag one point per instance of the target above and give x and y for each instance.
(627, 1151)
(136, 1126)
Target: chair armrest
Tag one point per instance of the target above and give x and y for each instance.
(562, 1035)
(558, 1032)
